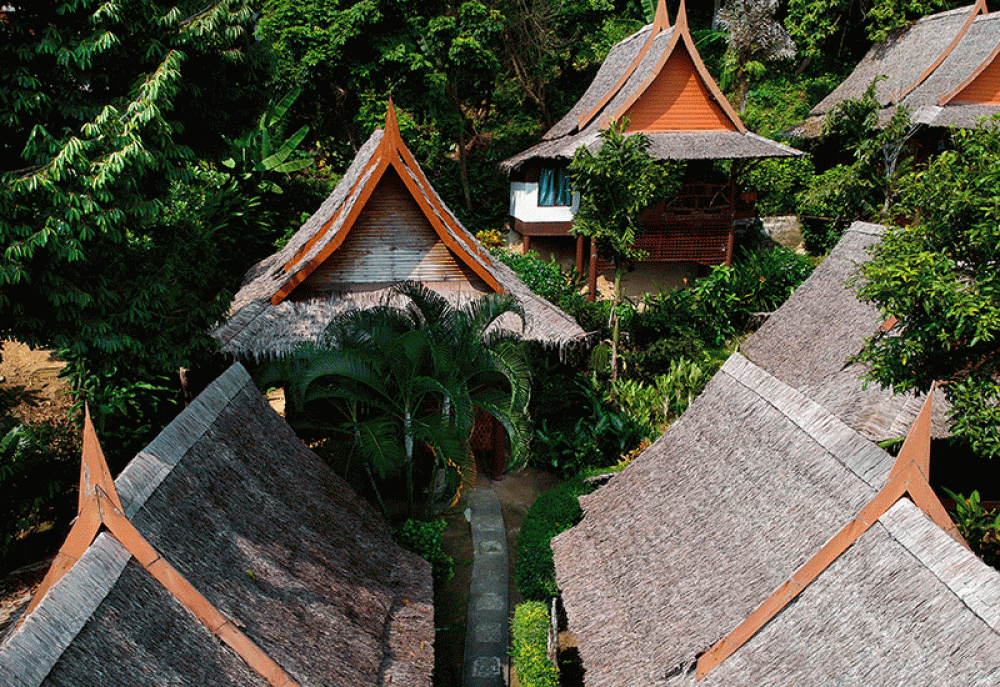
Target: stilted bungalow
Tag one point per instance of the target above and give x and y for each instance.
(798, 553)
(943, 69)
(226, 553)
(381, 225)
(656, 80)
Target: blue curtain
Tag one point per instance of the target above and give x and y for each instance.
(553, 187)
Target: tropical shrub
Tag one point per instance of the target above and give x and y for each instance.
(646, 363)
(38, 466)
(424, 538)
(529, 652)
(594, 434)
(553, 512)
(655, 405)
(979, 526)
(548, 279)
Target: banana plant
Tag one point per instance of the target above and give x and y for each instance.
(256, 153)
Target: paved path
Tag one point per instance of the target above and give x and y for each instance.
(487, 629)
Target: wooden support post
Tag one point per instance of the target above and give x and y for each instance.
(592, 277)
(579, 254)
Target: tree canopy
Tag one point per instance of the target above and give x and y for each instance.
(116, 245)
(940, 277)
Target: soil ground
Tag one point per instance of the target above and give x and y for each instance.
(29, 380)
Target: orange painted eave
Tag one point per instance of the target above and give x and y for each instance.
(908, 477)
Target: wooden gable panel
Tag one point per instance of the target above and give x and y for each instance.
(984, 89)
(391, 241)
(678, 100)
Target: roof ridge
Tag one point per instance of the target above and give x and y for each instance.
(99, 506)
(908, 477)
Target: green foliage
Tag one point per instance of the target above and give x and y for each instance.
(682, 384)
(106, 109)
(647, 361)
(529, 632)
(400, 384)
(980, 527)
(554, 283)
(592, 433)
(425, 539)
(656, 405)
(717, 307)
(615, 185)
(865, 188)
(754, 37)
(38, 466)
(255, 152)
(820, 26)
(552, 512)
(939, 277)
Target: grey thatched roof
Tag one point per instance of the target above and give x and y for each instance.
(562, 140)
(808, 342)
(902, 59)
(693, 536)
(232, 499)
(923, 66)
(257, 327)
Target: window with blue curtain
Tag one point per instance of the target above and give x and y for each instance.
(553, 187)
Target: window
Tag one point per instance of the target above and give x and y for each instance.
(553, 187)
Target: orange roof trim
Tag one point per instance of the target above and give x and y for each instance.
(661, 23)
(977, 9)
(99, 505)
(909, 476)
(391, 151)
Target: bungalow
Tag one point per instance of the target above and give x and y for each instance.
(382, 224)
(226, 553)
(943, 69)
(799, 553)
(655, 80)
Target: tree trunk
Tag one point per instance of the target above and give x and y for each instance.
(616, 323)
(464, 165)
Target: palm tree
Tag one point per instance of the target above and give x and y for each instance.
(398, 378)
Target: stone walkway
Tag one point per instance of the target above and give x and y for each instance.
(486, 662)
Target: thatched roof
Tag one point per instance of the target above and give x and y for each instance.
(808, 341)
(269, 316)
(695, 535)
(624, 76)
(298, 566)
(925, 67)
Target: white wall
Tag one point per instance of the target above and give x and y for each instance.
(524, 205)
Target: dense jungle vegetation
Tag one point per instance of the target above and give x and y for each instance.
(151, 152)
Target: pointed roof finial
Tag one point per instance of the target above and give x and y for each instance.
(392, 124)
(682, 15)
(661, 21)
(94, 470)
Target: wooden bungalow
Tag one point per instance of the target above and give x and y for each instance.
(943, 69)
(226, 553)
(657, 81)
(381, 225)
(796, 553)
